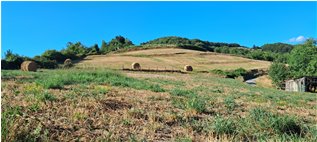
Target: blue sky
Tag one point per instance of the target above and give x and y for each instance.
(30, 28)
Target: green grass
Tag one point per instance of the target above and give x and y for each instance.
(57, 79)
(230, 103)
(224, 126)
(182, 92)
(8, 117)
(197, 104)
(188, 99)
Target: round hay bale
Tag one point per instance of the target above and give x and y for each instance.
(136, 66)
(240, 78)
(68, 61)
(188, 68)
(23, 66)
(29, 66)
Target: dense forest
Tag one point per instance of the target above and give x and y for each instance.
(289, 61)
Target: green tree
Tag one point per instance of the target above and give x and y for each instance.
(44, 62)
(75, 51)
(302, 59)
(104, 47)
(54, 55)
(278, 47)
(93, 49)
(278, 72)
(10, 56)
(118, 42)
(12, 61)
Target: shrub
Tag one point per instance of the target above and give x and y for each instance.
(45, 63)
(74, 51)
(12, 61)
(231, 74)
(278, 72)
(54, 55)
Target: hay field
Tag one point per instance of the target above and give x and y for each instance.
(172, 58)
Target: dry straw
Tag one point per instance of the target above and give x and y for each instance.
(136, 66)
(188, 68)
(67, 61)
(29, 66)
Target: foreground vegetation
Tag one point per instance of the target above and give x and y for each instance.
(104, 105)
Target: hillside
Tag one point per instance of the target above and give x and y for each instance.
(105, 105)
(172, 58)
(97, 101)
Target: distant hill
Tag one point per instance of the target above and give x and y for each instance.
(195, 44)
(277, 47)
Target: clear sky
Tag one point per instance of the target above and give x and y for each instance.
(30, 28)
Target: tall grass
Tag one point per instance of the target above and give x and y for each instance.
(57, 79)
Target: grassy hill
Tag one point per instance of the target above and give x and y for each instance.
(172, 58)
(103, 103)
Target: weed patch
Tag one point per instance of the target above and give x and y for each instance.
(230, 103)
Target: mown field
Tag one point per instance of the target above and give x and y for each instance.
(111, 105)
(172, 58)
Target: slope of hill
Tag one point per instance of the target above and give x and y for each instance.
(172, 58)
(105, 105)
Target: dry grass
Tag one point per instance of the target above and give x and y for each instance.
(173, 59)
(103, 105)
(264, 81)
(102, 112)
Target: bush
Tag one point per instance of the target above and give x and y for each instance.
(12, 61)
(119, 42)
(54, 55)
(278, 72)
(74, 51)
(231, 74)
(45, 63)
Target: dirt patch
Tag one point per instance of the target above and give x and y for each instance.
(112, 104)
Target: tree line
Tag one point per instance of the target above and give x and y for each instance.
(51, 59)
